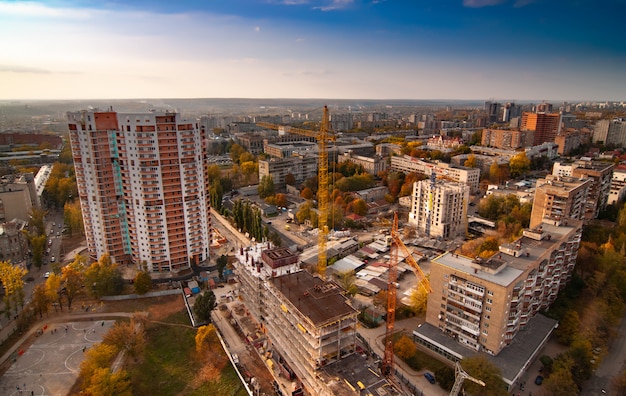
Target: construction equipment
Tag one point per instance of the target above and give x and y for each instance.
(324, 136)
(396, 244)
(459, 376)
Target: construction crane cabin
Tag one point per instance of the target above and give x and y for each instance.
(323, 137)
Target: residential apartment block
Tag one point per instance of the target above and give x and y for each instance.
(300, 166)
(18, 196)
(559, 199)
(599, 172)
(618, 185)
(484, 303)
(143, 187)
(13, 244)
(610, 132)
(570, 140)
(507, 138)
(372, 165)
(439, 208)
(461, 174)
(545, 126)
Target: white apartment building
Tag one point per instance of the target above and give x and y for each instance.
(439, 208)
(372, 165)
(610, 132)
(461, 174)
(143, 187)
(618, 185)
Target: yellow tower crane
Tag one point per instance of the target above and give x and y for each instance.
(323, 137)
(396, 244)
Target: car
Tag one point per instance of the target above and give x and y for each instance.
(46, 275)
(49, 242)
(538, 380)
(52, 259)
(430, 377)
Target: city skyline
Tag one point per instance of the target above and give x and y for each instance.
(352, 49)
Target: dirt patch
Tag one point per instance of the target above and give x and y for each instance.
(158, 307)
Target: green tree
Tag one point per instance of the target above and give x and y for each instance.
(222, 262)
(142, 283)
(235, 152)
(205, 303)
(266, 186)
(480, 367)
(36, 221)
(581, 353)
(37, 245)
(104, 278)
(445, 377)
(304, 212)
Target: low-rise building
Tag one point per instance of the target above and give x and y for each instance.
(300, 166)
(618, 185)
(372, 165)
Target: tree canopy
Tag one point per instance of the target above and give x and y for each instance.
(205, 303)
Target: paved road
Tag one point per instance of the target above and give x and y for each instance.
(612, 364)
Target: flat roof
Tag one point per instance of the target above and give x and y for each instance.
(318, 300)
(513, 360)
(530, 251)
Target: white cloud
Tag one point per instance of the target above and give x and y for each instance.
(22, 69)
(33, 9)
(335, 5)
(257, 29)
(481, 3)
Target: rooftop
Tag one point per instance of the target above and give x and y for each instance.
(318, 300)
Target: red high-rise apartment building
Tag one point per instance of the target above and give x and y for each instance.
(142, 184)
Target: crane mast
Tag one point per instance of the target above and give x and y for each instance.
(459, 376)
(323, 137)
(396, 244)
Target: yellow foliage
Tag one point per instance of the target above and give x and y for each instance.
(487, 253)
(105, 383)
(404, 347)
(98, 357)
(205, 336)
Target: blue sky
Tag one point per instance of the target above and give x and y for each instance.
(361, 49)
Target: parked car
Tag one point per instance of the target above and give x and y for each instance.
(52, 259)
(538, 380)
(430, 377)
(46, 275)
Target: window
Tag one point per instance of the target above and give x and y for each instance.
(490, 293)
(489, 301)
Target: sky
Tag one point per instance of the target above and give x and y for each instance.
(337, 49)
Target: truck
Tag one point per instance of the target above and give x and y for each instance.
(193, 285)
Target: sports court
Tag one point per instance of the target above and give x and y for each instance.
(50, 366)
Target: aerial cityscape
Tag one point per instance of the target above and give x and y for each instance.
(312, 197)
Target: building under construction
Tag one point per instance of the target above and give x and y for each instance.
(309, 323)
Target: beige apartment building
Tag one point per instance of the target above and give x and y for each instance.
(143, 187)
(372, 165)
(507, 138)
(600, 174)
(439, 208)
(559, 199)
(484, 303)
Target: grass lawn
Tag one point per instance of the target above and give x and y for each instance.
(170, 365)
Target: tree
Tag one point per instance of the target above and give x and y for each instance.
(306, 193)
(104, 278)
(470, 162)
(37, 245)
(103, 382)
(404, 347)
(519, 164)
(98, 357)
(205, 337)
(248, 169)
(419, 299)
(560, 383)
(143, 282)
(205, 303)
(568, 327)
(53, 290)
(581, 354)
(304, 212)
(73, 217)
(266, 186)
(222, 262)
(481, 368)
(41, 302)
(290, 179)
(346, 281)
(235, 153)
(445, 377)
(495, 173)
(37, 221)
(11, 278)
(73, 279)
(359, 207)
(128, 336)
